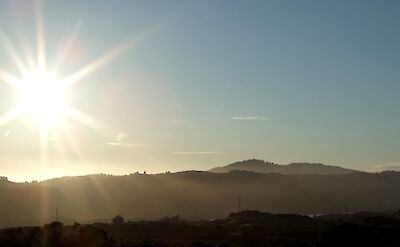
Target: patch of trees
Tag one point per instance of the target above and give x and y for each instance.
(246, 228)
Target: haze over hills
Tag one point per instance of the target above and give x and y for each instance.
(261, 166)
(194, 195)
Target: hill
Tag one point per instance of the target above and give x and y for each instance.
(261, 166)
(194, 195)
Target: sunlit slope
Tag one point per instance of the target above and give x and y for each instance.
(197, 195)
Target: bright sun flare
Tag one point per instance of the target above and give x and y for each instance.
(42, 97)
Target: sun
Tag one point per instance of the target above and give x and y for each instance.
(42, 97)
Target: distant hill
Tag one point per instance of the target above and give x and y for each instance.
(261, 166)
(194, 195)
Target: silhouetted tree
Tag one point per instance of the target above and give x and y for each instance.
(118, 219)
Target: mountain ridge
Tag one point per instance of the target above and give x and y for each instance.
(261, 166)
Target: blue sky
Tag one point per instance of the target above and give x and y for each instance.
(211, 82)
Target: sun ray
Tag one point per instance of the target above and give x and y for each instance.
(67, 135)
(97, 63)
(77, 150)
(109, 56)
(91, 122)
(15, 58)
(10, 79)
(67, 48)
(27, 52)
(40, 36)
(44, 170)
(9, 116)
(43, 146)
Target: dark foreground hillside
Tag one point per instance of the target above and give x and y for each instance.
(247, 228)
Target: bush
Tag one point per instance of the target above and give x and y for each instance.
(118, 219)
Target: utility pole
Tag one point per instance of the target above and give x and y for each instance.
(239, 204)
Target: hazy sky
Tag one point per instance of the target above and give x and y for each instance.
(211, 82)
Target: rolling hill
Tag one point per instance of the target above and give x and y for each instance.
(194, 195)
(261, 166)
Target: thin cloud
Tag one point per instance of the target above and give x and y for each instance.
(126, 144)
(196, 152)
(121, 140)
(255, 118)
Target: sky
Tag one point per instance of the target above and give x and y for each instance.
(207, 83)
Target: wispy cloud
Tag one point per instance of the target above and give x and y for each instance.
(255, 118)
(126, 144)
(121, 140)
(196, 152)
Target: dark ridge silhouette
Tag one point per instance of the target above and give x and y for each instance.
(193, 195)
(246, 228)
(261, 166)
